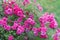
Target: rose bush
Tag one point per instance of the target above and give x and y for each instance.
(23, 22)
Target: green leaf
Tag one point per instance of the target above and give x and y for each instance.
(1, 9)
(37, 38)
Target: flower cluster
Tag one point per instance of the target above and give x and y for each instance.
(11, 8)
(48, 18)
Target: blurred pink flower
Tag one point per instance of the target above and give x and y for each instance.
(53, 24)
(20, 19)
(35, 1)
(43, 31)
(31, 16)
(51, 17)
(18, 11)
(7, 27)
(11, 2)
(15, 25)
(25, 2)
(35, 31)
(8, 10)
(10, 37)
(30, 21)
(56, 36)
(26, 25)
(20, 30)
(44, 18)
(40, 7)
(3, 21)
